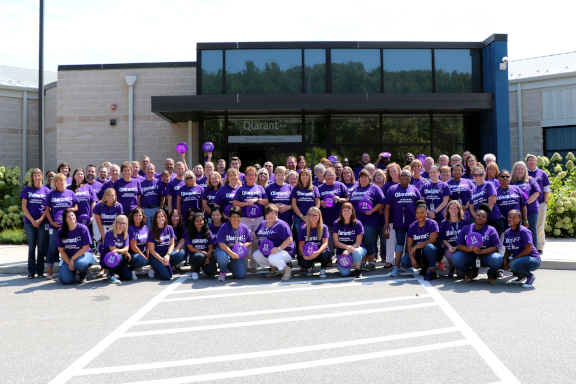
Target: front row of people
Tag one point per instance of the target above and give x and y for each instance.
(128, 245)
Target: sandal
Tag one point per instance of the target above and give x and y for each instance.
(254, 270)
(286, 277)
(387, 265)
(100, 274)
(491, 280)
(49, 277)
(469, 277)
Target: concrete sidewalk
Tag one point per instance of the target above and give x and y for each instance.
(558, 254)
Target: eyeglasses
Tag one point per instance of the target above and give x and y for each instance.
(478, 174)
(314, 215)
(189, 178)
(122, 223)
(504, 177)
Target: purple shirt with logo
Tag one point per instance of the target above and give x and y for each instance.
(516, 240)
(329, 214)
(230, 236)
(450, 231)
(152, 192)
(108, 214)
(86, 196)
(542, 179)
(96, 186)
(202, 181)
(75, 240)
(58, 201)
(190, 198)
(460, 190)
(347, 234)
(163, 243)
(417, 182)
(402, 202)
(434, 195)
(490, 237)
(509, 199)
(421, 234)
(140, 234)
(494, 182)
(281, 195)
(209, 195)
(199, 242)
(144, 175)
(254, 192)
(172, 190)
(374, 194)
(529, 188)
(480, 194)
(127, 193)
(35, 198)
(106, 185)
(173, 175)
(225, 195)
(214, 230)
(313, 235)
(305, 199)
(277, 233)
(117, 241)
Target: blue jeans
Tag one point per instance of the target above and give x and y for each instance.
(225, 262)
(370, 239)
(53, 255)
(432, 253)
(356, 258)
(525, 265)
(297, 224)
(81, 264)
(466, 260)
(198, 259)
(161, 270)
(400, 238)
(323, 258)
(37, 237)
(382, 237)
(532, 226)
(126, 267)
(149, 213)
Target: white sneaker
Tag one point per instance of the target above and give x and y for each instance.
(194, 276)
(139, 271)
(322, 273)
(151, 273)
(134, 276)
(310, 271)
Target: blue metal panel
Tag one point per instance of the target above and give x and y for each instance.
(495, 124)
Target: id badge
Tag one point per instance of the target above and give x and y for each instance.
(47, 227)
(477, 263)
(51, 231)
(460, 201)
(432, 207)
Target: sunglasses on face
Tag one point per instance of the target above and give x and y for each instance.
(478, 174)
(189, 178)
(504, 176)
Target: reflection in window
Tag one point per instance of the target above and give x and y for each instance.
(407, 70)
(398, 154)
(315, 70)
(354, 153)
(263, 129)
(315, 129)
(406, 128)
(313, 156)
(454, 70)
(212, 75)
(215, 130)
(455, 128)
(263, 71)
(355, 129)
(356, 71)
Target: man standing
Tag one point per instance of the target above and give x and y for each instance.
(221, 168)
(345, 162)
(409, 158)
(542, 179)
(427, 164)
(91, 179)
(382, 161)
(443, 161)
(365, 160)
(103, 174)
(198, 171)
(270, 168)
(153, 194)
(174, 186)
(203, 181)
(291, 163)
(236, 163)
(136, 171)
(338, 168)
(144, 161)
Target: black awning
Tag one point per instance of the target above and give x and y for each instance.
(184, 108)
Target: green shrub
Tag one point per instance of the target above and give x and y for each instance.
(561, 217)
(13, 236)
(11, 215)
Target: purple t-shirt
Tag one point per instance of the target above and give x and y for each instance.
(509, 199)
(281, 195)
(402, 202)
(450, 231)
(173, 175)
(163, 243)
(516, 240)
(143, 174)
(190, 198)
(417, 182)
(214, 230)
(152, 192)
(374, 194)
(199, 242)
(460, 190)
(111, 241)
(75, 239)
(86, 196)
(272, 179)
(230, 236)
(329, 214)
(304, 199)
(542, 179)
(106, 185)
(494, 182)
(96, 186)
(35, 198)
(225, 195)
(108, 214)
(127, 193)
(277, 233)
(316, 182)
(254, 192)
(434, 195)
(347, 234)
(529, 188)
(209, 195)
(202, 181)
(140, 234)
(313, 235)
(480, 194)
(172, 190)
(59, 201)
(490, 237)
(351, 187)
(421, 234)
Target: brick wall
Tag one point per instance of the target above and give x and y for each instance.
(50, 147)
(532, 122)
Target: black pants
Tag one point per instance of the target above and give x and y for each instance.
(197, 261)
(323, 258)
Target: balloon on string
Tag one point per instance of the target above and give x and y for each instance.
(182, 147)
(208, 147)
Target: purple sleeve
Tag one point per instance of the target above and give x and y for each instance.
(246, 233)
(446, 190)
(490, 189)
(345, 191)
(86, 239)
(389, 198)
(526, 237)
(378, 195)
(434, 226)
(264, 193)
(410, 233)
(94, 196)
(359, 228)
(150, 236)
(316, 192)
(97, 209)
(47, 200)
(302, 234)
(523, 199)
(210, 238)
(293, 194)
(494, 239)
(545, 180)
(418, 195)
(74, 198)
(462, 236)
(132, 233)
(218, 198)
(286, 232)
(535, 186)
(24, 193)
(325, 234)
(442, 231)
(221, 237)
(238, 195)
(109, 239)
(171, 230)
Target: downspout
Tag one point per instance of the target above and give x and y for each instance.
(130, 80)
(24, 130)
(520, 133)
(190, 146)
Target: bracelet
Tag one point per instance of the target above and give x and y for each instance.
(524, 221)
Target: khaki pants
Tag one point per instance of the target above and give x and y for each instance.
(540, 226)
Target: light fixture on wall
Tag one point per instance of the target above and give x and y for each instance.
(504, 64)
(113, 106)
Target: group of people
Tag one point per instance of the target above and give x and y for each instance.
(219, 220)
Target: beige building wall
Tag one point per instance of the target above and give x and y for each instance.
(532, 132)
(50, 147)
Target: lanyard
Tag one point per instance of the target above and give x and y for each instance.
(511, 239)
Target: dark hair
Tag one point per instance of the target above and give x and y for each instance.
(421, 204)
(235, 211)
(90, 165)
(135, 211)
(73, 187)
(64, 230)
(62, 165)
(219, 209)
(155, 228)
(271, 208)
(47, 172)
(365, 173)
(193, 232)
(179, 228)
(352, 217)
(468, 170)
(484, 207)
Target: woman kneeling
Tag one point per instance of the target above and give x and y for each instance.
(73, 243)
(521, 256)
(200, 242)
(348, 233)
(230, 234)
(161, 247)
(316, 232)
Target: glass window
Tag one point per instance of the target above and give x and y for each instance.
(561, 140)
(354, 153)
(400, 129)
(355, 129)
(356, 71)
(265, 129)
(313, 156)
(315, 129)
(398, 153)
(212, 75)
(315, 70)
(449, 150)
(454, 70)
(215, 130)
(455, 128)
(408, 70)
(263, 71)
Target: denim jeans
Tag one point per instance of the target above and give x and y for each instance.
(466, 260)
(37, 238)
(161, 270)
(126, 267)
(53, 256)
(356, 258)
(432, 253)
(225, 262)
(198, 259)
(323, 258)
(382, 238)
(149, 213)
(524, 266)
(81, 264)
(370, 239)
(400, 238)
(533, 227)
(297, 224)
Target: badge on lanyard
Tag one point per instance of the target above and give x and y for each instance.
(477, 263)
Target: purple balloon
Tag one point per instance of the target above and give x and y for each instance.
(208, 147)
(329, 200)
(84, 219)
(365, 205)
(474, 239)
(182, 147)
(309, 248)
(253, 211)
(111, 259)
(345, 261)
(421, 157)
(266, 247)
(240, 250)
(333, 159)
(386, 154)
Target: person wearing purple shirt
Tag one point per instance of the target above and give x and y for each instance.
(339, 195)
(128, 190)
(106, 211)
(226, 194)
(200, 244)
(91, 179)
(190, 195)
(401, 212)
(35, 225)
(492, 172)
(392, 178)
(213, 185)
(436, 193)
(160, 246)
(229, 234)
(144, 161)
(136, 171)
(460, 188)
(216, 224)
(236, 163)
(202, 181)
(531, 189)
(153, 194)
(348, 179)
(544, 183)
(509, 197)
(416, 180)
(318, 179)
(316, 232)
(280, 194)
(521, 256)
(138, 235)
(73, 243)
(365, 161)
(304, 196)
(174, 185)
(425, 173)
(466, 257)
(449, 231)
(485, 193)
(85, 194)
(283, 250)
(347, 234)
(116, 240)
(423, 244)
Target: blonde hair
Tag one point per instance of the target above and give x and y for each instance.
(319, 228)
(31, 181)
(105, 196)
(125, 232)
(231, 170)
(280, 169)
(58, 177)
(209, 182)
(262, 170)
(189, 173)
(352, 176)
(492, 165)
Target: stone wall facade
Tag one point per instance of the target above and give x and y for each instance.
(532, 132)
(50, 142)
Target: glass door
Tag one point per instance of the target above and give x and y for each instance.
(278, 155)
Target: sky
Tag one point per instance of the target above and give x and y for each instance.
(133, 31)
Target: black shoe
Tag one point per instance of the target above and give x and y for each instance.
(40, 275)
(31, 276)
(357, 274)
(474, 273)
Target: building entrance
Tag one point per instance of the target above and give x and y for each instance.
(276, 154)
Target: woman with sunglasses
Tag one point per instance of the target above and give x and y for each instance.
(521, 255)
(200, 243)
(485, 193)
(189, 196)
(73, 243)
(176, 221)
(510, 197)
